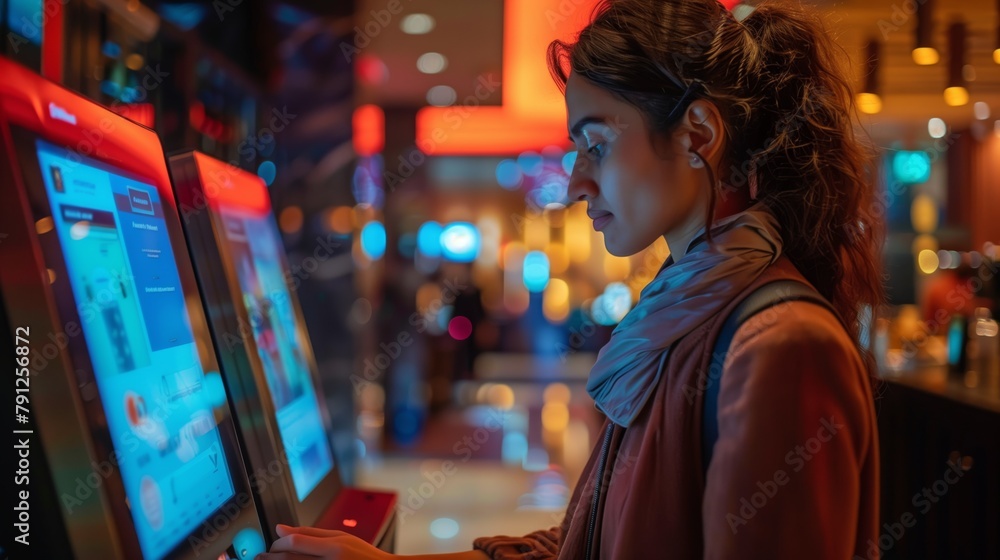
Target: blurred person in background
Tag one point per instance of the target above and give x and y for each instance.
(731, 136)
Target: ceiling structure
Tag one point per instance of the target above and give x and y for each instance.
(470, 35)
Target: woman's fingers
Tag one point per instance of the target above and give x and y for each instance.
(307, 544)
(285, 530)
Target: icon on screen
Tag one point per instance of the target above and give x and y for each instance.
(135, 409)
(57, 181)
(140, 202)
(152, 502)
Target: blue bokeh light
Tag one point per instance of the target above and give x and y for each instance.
(373, 240)
(429, 239)
(267, 171)
(460, 242)
(536, 271)
(509, 174)
(531, 163)
(911, 167)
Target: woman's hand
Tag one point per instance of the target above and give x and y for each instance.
(309, 543)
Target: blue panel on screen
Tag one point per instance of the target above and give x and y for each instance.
(911, 167)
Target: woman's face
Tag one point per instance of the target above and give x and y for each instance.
(633, 193)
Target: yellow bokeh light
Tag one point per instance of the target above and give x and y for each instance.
(339, 220)
(501, 396)
(134, 61)
(536, 232)
(576, 234)
(956, 96)
(869, 103)
(925, 56)
(924, 214)
(555, 300)
(555, 417)
(557, 393)
(558, 257)
(927, 260)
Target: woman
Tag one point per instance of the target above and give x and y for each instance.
(733, 139)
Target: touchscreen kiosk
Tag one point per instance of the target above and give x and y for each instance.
(266, 354)
(130, 408)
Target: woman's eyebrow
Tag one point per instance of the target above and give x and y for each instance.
(578, 126)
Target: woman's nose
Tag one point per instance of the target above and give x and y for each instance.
(581, 185)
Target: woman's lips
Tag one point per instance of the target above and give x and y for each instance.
(601, 220)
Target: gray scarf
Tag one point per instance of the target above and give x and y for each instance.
(682, 296)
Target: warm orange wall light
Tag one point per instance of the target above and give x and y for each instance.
(533, 114)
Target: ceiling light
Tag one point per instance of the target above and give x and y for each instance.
(924, 52)
(936, 128)
(432, 63)
(417, 24)
(982, 110)
(956, 95)
(441, 96)
(868, 100)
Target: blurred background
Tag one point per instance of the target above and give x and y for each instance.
(416, 156)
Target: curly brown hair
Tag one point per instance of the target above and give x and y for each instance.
(780, 82)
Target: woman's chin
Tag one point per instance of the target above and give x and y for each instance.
(620, 249)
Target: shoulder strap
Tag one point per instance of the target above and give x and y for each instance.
(764, 297)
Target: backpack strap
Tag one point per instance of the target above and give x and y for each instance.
(764, 297)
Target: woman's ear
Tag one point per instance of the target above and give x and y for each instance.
(702, 130)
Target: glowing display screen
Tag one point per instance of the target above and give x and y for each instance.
(156, 395)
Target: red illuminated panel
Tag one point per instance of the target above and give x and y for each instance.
(533, 114)
(141, 113)
(229, 186)
(52, 39)
(62, 117)
(369, 130)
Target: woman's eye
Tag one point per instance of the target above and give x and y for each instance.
(597, 150)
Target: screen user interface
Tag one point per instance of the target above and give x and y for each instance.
(254, 247)
(157, 397)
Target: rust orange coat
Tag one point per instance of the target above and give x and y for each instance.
(794, 472)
